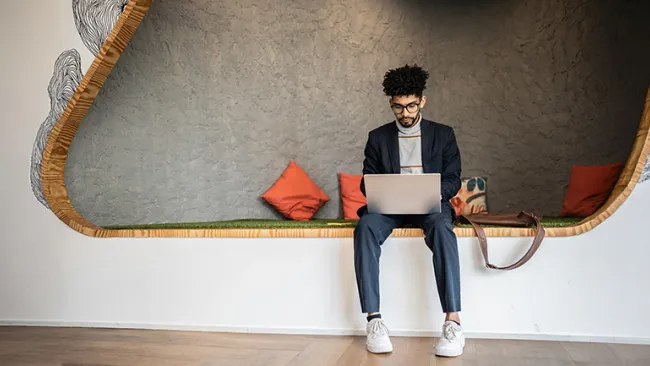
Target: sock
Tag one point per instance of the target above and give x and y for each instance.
(455, 322)
(371, 317)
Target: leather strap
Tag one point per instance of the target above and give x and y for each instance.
(524, 216)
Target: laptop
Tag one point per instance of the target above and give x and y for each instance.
(403, 194)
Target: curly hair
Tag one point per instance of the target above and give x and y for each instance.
(406, 80)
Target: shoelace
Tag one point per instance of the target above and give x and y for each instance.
(377, 328)
(451, 332)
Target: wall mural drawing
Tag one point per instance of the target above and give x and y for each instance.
(67, 76)
(94, 20)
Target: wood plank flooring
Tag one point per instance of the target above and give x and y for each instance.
(45, 346)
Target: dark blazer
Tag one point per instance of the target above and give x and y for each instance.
(440, 154)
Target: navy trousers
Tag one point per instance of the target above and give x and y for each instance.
(372, 231)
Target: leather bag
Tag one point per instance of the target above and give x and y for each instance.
(522, 219)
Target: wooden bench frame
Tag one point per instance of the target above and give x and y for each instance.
(60, 139)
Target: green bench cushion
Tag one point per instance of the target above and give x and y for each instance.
(289, 224)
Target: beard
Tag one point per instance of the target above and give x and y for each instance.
(408, 121)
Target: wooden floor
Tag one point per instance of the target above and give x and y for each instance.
(23, 346)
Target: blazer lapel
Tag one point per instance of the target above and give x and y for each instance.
(426, 142)
(393, 149)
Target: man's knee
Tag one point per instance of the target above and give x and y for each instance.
(439, 221)
(439, 233)
(372, 228)
(370, 222)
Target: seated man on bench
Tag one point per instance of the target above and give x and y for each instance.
(396, 148)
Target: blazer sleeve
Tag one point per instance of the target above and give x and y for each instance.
(370, 161)
(451, 167)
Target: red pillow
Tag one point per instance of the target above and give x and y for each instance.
(589, 188)
(295, 195)
(351, 195)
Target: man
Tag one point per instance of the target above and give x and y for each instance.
(411, 145)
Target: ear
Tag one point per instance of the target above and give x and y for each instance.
(424, 101)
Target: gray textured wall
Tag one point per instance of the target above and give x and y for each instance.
(212, 99)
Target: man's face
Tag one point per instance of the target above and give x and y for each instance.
(407, 108)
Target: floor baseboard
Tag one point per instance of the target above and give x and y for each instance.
(323, 331)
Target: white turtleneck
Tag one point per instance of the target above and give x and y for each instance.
(410, 148)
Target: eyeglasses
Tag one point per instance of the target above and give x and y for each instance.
(411, 107)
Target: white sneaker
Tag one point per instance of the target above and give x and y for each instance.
(452, 341)
(377, 340)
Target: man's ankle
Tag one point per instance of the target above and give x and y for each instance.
(453, 317)
(373, 316)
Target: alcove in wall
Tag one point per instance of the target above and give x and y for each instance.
(208, 104)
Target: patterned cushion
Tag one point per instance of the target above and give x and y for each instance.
(471, 198)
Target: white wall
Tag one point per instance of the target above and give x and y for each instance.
(590, 287)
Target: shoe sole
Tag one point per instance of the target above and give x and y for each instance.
(448, 353)
(451, 353)
(379, 349)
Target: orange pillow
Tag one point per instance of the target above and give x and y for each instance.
(351, 195)
(295, 195)
(589, 188)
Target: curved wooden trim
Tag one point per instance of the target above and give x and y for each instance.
(60, 139)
